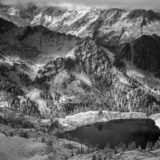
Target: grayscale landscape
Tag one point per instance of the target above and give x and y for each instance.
(79, 80)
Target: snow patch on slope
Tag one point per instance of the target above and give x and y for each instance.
(80, 14)
(37, 19)
(156, 118)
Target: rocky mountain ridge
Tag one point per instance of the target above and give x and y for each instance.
(87, 22)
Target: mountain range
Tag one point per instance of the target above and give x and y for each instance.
(96, 56)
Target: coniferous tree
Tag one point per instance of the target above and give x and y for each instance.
(72, 153)
(94, 157)
(139, 148)
(129, 147)
(97, 147)
(133, 145)
(99, 157)
(156, 145)
(123, 146)
(149, 146)
(105, 158)
(116, 149)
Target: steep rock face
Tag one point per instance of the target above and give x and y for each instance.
(144, 53)
(95, 62)
(76, 22)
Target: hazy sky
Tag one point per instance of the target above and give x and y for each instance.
(103, 3)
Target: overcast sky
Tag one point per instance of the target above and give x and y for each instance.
(149, 4)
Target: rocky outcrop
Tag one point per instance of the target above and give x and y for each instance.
(94, 61)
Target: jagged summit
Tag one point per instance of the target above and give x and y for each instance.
(109, 27)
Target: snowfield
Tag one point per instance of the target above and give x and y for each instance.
(156, 118)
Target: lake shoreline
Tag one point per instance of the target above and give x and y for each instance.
(72, 122)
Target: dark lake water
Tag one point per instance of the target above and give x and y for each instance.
(114, 132)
